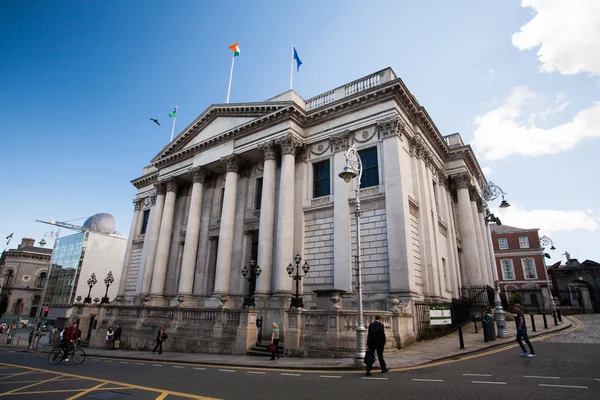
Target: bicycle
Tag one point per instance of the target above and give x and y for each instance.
(76, 354)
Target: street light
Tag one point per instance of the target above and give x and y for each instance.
(90, 282)
(544, 242)
(297, 301)
(107, 281)
(353, 169)
(250, 276)
(490, 192)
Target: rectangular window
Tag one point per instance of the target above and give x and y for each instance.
(321, 185)
(258, 194)
(503, 243)
(523, 242)
(145, 219)
(508, 270)
(370, 172)
(435, 196)
(529, 268)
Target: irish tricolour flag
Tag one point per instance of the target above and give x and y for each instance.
(235, 48)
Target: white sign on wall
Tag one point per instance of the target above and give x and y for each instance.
(440, 315)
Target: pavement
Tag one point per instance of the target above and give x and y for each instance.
(418, 354)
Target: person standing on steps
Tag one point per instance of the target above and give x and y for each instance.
(375, 342)
(160, 338)
(275, 341)
(522, 333)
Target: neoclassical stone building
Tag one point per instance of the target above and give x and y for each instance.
(259, 181)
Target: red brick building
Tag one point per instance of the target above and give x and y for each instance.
(519, 258)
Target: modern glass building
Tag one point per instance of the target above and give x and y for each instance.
(66, 263)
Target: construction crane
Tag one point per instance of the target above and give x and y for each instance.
(77, 228)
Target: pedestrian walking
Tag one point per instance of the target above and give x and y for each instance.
(375, 342)
(522, 332)
(118, 332)
(160, 338)
(275, 341)
(109, 338)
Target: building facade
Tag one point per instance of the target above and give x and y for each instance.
(259, 181)
(576, 286)
(24, 271)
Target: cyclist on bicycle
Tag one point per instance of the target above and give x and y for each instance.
(68, 337)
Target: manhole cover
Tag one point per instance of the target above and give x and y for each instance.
(107, 395)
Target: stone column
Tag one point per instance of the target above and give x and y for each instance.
(342, 263)
(192, 231)
(164, 240)
(225, 250)
(453, 263)
(137, 211)
(285, 215)
(267, 219)
(480, 238)
(472, 273)
(152, 238)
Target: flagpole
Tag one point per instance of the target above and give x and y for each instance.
(230, 76)
(292, 68)
(173, 128)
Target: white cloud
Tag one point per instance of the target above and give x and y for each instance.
(567, 34)
(487, 170)
(511, 129)
(488, 77)
(549, 221)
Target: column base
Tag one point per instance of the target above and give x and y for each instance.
(217, 300)
(156, 300)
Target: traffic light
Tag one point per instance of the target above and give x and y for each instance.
(46, 312)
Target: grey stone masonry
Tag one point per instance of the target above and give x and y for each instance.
(134, 267)
(416, 246)
(374, 244)
(318, 250)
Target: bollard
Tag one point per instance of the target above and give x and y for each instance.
(475, 323)
(558, 314)
(545, 321)
(554, 316)
(532, 323)
(460, 337)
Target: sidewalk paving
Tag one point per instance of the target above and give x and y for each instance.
(420, 353)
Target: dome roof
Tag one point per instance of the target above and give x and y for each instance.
(101, 222)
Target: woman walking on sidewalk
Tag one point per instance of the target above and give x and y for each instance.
(275, 341)
(160, 338)
(109, 338)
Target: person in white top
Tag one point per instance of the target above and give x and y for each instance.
(109, 337)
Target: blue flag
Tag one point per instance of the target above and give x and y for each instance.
(298, 62)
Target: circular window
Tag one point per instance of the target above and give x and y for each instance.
(26, 278)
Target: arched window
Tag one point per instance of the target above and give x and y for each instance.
(9, 277)
(41, 280)
(18, 307)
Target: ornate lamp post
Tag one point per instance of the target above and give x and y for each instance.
(251, 275)
(544, 242)
(489, 193)
(353, 169)
(90, 282)
(297, 300)
(107, 281)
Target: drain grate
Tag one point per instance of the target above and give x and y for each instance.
(107, 395)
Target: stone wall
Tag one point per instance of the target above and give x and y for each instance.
(318, 250)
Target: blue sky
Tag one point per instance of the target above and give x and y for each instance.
(80, 80)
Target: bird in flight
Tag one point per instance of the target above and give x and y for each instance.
(155, 121)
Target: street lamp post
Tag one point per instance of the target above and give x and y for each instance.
(491, 192)
(251, 275)
(107, 281)
(90, 282)
(544, 242)
(297, 300)
(353, 169)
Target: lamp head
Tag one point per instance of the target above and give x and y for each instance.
(245, 271)
(504, 203)
(305, 268)
(289, 269)
(257, 271)
(297, 258)
(552, 248)
(347, 174)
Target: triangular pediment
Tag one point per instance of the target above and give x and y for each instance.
(216, 121)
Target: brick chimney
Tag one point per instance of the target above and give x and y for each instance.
(26, 242)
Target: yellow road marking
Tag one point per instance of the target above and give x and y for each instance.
(10, 383)
(28, 386)
(162, 396)
(86, 391)
(128, 385)
(17, 374)
(48, 391)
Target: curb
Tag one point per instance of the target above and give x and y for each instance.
(312, 368)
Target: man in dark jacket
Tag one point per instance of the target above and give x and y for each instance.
(375, 342)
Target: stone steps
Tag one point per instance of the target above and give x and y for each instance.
(262, 350)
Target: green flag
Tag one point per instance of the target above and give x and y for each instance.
(173, 113)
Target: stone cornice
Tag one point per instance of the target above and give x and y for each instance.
(32, 256)
(145, 180)
(466, 153)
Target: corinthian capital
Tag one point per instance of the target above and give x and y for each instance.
(462, 181)
(390, 127)
(160, 188)
(340, 141)
(269, 150)
(232, 163)
(417, 146)
(442, 177)
(172, 184)
(137, 204)
(288, 144)
(199, 174)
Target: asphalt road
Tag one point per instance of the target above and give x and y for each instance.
(567, 366)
